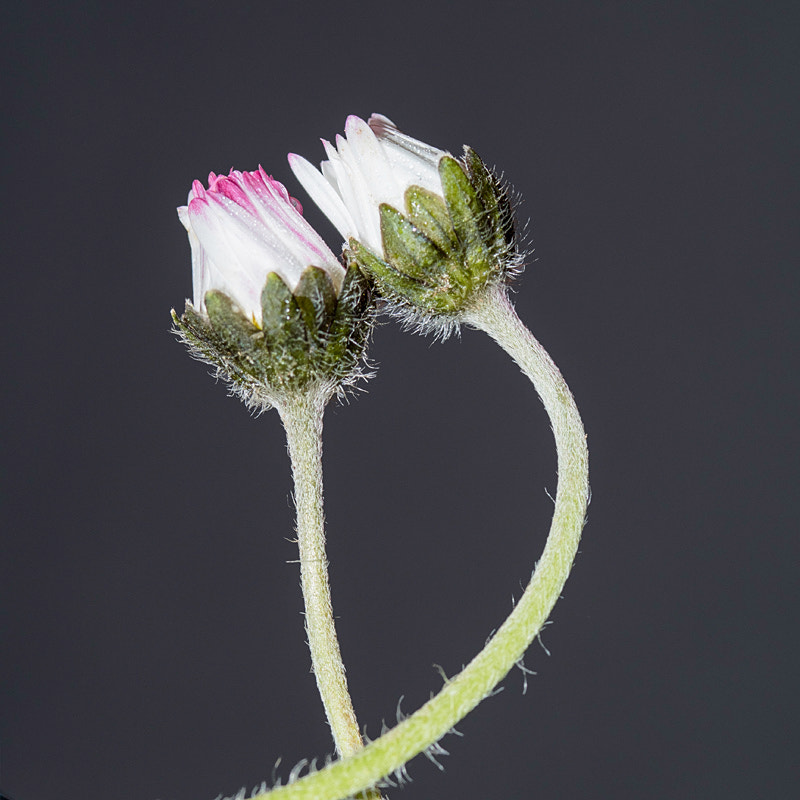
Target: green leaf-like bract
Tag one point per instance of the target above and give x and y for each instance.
(306, 336)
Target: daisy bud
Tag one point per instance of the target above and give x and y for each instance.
(432, 230)
(274, 311)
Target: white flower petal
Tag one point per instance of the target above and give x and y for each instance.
(183, 216)
(374, 164)
(224, 253)
(380, 123)
(415, 171)
(307, 246)
(355, 192)
(199, 272)
(329, 173)
(387, 131)
(385, 184)
(324, 195)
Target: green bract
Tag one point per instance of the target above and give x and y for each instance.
(440, 251)
(307, 336)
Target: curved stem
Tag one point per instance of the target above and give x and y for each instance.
(302, 418)
(494, 314)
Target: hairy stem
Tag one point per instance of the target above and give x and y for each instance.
(494, 314)
(302, 418)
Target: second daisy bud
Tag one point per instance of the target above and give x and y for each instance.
(433, 231)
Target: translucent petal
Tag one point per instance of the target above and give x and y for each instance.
(324, 194)
(387, 131)
(380, 123)
(199, 272)
(183, 216)
(412, 169)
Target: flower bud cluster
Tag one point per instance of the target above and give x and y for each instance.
(274, 310)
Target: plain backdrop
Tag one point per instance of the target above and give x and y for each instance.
(151, 638)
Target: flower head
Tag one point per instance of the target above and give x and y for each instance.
(274, 311)
(242, 228)
(432, 230)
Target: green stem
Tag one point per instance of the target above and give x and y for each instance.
(302, 418)
(494, 314)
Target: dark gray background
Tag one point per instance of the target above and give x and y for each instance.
(150, 628)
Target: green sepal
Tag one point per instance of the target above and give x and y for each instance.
(467, 214)
(461, 200)
(428, 212)
(407, 248)
(354, 300)
(498, 219)
(354, 296)
(386, 275)
(349, 329)
(227, 318)
(197, 330)
(316, 299)
(368, 261)
(483, 182)
(286, 334)
(434, 297)
(238, 335)
(207, 343)
(281, 319)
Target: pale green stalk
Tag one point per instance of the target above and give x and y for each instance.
(302, 417)
(492, 313)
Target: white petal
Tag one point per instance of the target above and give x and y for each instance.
(268, 240)
(387, 131)
(379, 123)
(416, 161)
(324, 195)
(359, 197)
(233, 264)
(307, 245)
(414, 169)
(367, 154)
(183, 216)
(329, 173)
(199, 271)
(344, 179)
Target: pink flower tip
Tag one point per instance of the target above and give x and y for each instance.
(353, 123)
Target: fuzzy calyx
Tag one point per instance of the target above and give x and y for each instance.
(439, 253)
(308, 339)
